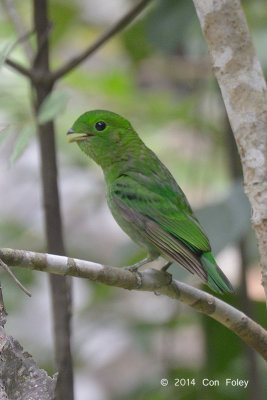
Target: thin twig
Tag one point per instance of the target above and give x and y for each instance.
(24, 71)
(19, 68)
(19, 28)
(104, 37)
(10, 273)
(149, 280)
(21, 39)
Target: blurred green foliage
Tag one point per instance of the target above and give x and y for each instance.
(52, 106)
(157, 74)
(227, 221)
(173, 27)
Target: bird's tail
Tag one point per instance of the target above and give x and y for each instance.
(216, 279)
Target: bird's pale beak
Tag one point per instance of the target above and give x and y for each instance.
(79, 138)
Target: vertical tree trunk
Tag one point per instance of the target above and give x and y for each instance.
(243, 88)
(60, 286)
(255, 386)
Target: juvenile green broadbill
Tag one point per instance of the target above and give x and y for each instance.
(145, 199)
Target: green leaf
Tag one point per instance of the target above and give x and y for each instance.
(52, 106)
(21, 142)
(4, 52)
(135, 41)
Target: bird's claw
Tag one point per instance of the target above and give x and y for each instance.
(136, 266)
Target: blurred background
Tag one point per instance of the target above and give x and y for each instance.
(157, 74)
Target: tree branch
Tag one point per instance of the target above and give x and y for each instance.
(103, 38)
(243, 88)
(15, 279)
(19, 68)
(149, 280)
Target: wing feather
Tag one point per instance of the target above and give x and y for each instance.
(164, 210)
(169, 245)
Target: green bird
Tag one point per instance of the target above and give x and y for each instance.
(145, 199)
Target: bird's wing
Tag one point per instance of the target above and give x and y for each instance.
(162, 209)
(162, 223)
(176, 213)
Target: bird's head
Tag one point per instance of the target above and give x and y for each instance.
(103, 136)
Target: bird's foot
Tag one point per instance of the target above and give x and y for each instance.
(134, 269)
(166, 266)
(136, 266)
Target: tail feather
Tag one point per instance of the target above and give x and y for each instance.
(216, 280)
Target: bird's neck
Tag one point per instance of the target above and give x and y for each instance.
(116, 169)
(127, 161)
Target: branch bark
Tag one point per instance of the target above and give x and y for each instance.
(150, 280)
(255, 389)
(20, 377)
(103, 38)
(3, 313)
(243, 88)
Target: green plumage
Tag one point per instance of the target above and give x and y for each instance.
(144, 198)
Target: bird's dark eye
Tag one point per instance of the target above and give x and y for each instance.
(100, 126)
